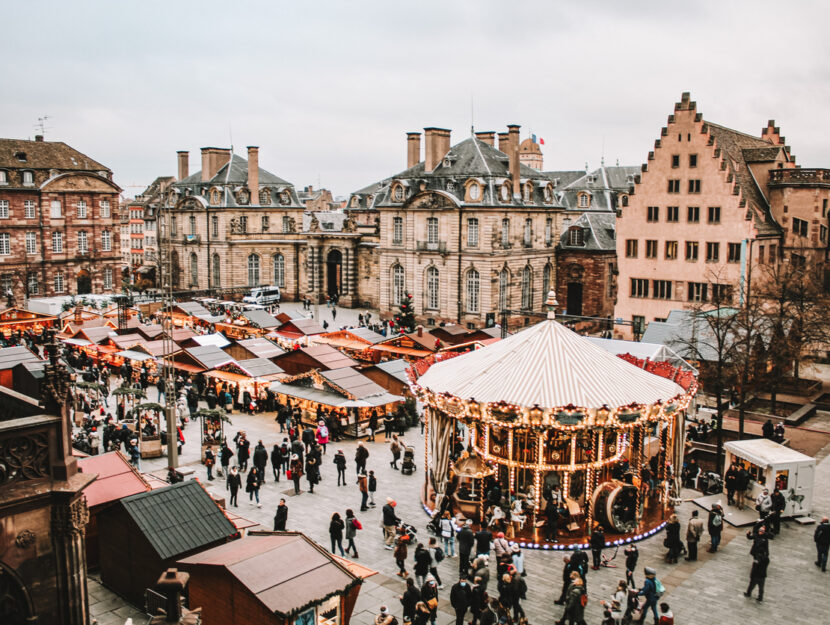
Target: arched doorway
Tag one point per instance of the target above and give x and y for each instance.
(334, 272)
(574, 298)
(83, 282)
(16, 606)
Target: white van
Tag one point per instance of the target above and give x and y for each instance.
(263, 295)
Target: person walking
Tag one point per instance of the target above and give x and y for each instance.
(234, 484)
(389, 521)
(822, 539)
(373, 426)
(448, 530)
(276, 461)
(694, 530)
(400, 554)
(435, 557)
(260, 459)
(395, 448)
(632, 554)
(225, 455)
(336, 526)
(714, 525)
(308, 438)
(483, 539)
(574, 609)
(779, 503)
(466, 539)
(281, 516)
(210, 459)
(597, 542)
(372, 484)
(429, 595)
(758, 576)
(409, 599)
(461, 596)
(312, 471)
(243, 451)
(422, 564)
(363, 486)
(352, 525)
(340, 463)
(322, 435)
(296, 472)
(253, 484)
(649, 591)
(672, 540)
(361, 455)
(388, 426)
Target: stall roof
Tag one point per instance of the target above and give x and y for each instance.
(12, 356)
(259, 367)
(130, 354)
(261, 347)
(328, 356)
(95, 334)
(395, 368)
(370, 336)
(210, 318)
(150, 331)
(309, 574)
(126, 341)
(353, 382)
(653, 351)
(78, 342)
(302, 326)
(261, 319)
(209, 355)
(331, 398)
(182, 334)
(116, 478)
(156, 348)
(764, 452)
(191, 308)
(179, 518)
(407, 351)
(217, 338)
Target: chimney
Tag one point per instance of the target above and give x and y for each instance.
(253, 173)
(513, 131)
(488, 137)
(171, 584)
(420, 330)
(413, 149)
(184, 163)
(504, 142)
(39, 138)
(212, 161)
(437, 145)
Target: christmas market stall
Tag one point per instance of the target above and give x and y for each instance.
(566, 424)
(250, 375)
(356, 342)
(344, 393)
(254, 348)
(19, 321)
(305, 359)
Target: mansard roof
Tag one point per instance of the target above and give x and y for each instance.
(234, 172)
(603, 184)
(598, 232)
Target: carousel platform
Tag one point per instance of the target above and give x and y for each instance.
(731, 514)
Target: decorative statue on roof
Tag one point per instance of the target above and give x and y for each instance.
(314, 224)
(349, 225)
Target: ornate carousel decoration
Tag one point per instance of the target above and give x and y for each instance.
(547, 414)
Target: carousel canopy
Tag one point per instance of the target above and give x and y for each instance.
(549, 365)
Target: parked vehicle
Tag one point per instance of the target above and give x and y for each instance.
(263, 295)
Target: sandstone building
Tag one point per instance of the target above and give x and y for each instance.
(145, 208)
(710, 205)
(59, 228)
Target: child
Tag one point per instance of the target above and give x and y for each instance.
(666, 615)
(400, 555)
(373, 486)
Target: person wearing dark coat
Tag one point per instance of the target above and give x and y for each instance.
(597, 543)
(757, 576)
(308, 438)
(243, 452)
(281, 517)
(340, 463)
(465, 539)
(672, 541)
(373, 425)
(312, 471)
(234, 484)
(422, 564)
(252, 485)
(714, 526)
(760, 541)
(822, 539)
(260, 459)
(336, 526)
(731, 483)
(632, 554)
(276, 461)
(429, 591)
(768, 429)
(361, 455)
(551, 519)
(410, 597)
(296, 468)
(778, 505)
(461, 596)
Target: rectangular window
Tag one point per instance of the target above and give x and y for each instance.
(639, 287)
(722, 293)
(773, 254)
(674, 186)
(397, 231)
(82, 242)
(432, 231)
(693, 214)
(505, 233)
(104, 208)
(4, 178)
(824, 208)
(661, 289)
(32, 284)
(286, 224)
(653, 213)
(631, 248)
(698, 292)
(671, 213)
(58, 282)
(472, 232)
(29, 209)
(733, 253)
(4, 209)
(712, 252)
(714, 214)
(28, 181)
(692, 160)
(57, 242)
(266, 223)
(548, 231)
(671, 250)
(799, 227)
(55, 209)
(106, 241)
(108, 278)
(174, 226)
(243, 224)
(638, 324)
(675, 161)
(31, 243)
(5, 244)
(822, 234)
(192, 221)
(651, 248)
(694, 186)
(760, 254)
(214, 226)
(81, 207)
(691, 250)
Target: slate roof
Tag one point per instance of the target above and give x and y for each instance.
(353, 382)
(328, 356)
(263, 348)
(235, 171)
(12, 356)
(261, 319)
(306, 326)
(396, 368)
(178, 519)
(330, 221)
(45, 155)
(209, 355)
(598, 232)
(604, 184)
(367, 335)
(259, 367)
(677, 333)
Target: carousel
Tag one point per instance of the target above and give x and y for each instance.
(545, 427)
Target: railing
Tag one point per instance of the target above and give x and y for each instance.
(799, 176)
(192, 238)
(430, 246)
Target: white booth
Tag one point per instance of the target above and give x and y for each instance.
(772, 466)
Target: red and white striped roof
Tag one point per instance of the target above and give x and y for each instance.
(549, 365)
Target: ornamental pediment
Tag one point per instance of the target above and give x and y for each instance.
(435, 200)
(71, 181)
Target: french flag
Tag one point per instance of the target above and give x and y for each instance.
(540, 141)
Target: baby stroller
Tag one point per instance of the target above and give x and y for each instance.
(710, 483)
(408, 465)
(407, 530)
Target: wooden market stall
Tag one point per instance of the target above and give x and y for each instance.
(391, 375)
(343, 392)
(314, 357)
(411, 347)
(182, 313)
(239, 582)
(10, 357)
(200, 340)
(199, 359)
(355, 342)
(13, 320)
(254, 348)
(250, 375)
(300, 328)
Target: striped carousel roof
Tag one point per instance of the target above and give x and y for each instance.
(549, 365)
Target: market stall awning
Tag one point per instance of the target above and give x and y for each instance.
(228, 376)
(78, 342)
(406, 351)
(764, 452)
(184, 366)
(330, 398)
(133, 355)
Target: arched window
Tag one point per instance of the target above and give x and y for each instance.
(546, 274)
(194, 269)
(505, 232)
(398, 285)
(528, 233)
(527, 291)
(472, 291)
(216, 271)
(253, 270)
(584, 200)
(504, 286)
(432, 288)
(279, 270)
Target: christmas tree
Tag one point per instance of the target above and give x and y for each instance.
(406, 319)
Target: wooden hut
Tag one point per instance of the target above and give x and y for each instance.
(10, 357)
(272, 578)
(254, 348)
(321, 357)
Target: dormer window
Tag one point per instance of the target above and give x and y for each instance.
(21, 156)
(504, 193)
(447, 162)
(354, 202)
(584, 200)
(474, 192)
(576, 237)
(548, 194)
(397, 193)
(214, 196)
(28, 178)
(624, 200)
(450, 186)
(369, 199)
(285, 198)
(526, 192)
(264, 197)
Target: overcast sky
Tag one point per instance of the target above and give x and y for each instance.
(329, 89)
